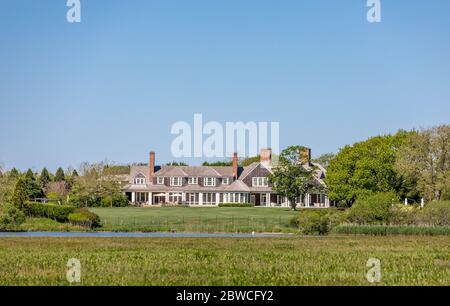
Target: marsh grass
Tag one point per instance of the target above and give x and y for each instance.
(337, 260)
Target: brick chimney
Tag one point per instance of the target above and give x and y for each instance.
(151, 167)
(305, 156)
(235, 166)
(266, 157)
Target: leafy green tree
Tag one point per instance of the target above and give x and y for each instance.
(14, 173)
(60, 176)
(292, 178)
(74, 173)
(180, 164)
(44, 178)
(367, 167)
(425, 160)
(218, 164)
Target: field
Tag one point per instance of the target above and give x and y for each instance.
(193, 219)
(334, 260)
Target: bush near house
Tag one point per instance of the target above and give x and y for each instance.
(435, 214)
(373, 209)
(84, 217)
(58, 213)
(115, 201)
(317, 221)
(236, 205)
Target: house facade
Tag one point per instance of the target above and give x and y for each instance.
(153, 185)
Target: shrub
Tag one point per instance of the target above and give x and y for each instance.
(11, 217)
(236, 205)
(115, 201)
(84, 217)
(317, 221)
(435, 214)
(373, 209)
(58, 213)
(382, 230)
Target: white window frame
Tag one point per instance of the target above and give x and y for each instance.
(139, 181)
(160, 180)
(260, 182)
(209, 181)
(176, 181)
(226, 181)
(193, 180)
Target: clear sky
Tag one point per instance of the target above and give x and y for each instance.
(111, 86)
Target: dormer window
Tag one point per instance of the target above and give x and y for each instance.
(139, 179)
(193, 180)
(175, 181)
(160, 180)
(226, 181)
(210, 181)
(260, 182)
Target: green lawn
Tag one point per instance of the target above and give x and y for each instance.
(411, 260)
(196, 219)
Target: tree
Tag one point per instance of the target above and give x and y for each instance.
(59, 176)
(74, 173)
(20, 195)
(175, 164)
(33, 189)
(292, 178)
(14, 173)
(324, 159)
(425, 159)
(44, 178)
(367, 167)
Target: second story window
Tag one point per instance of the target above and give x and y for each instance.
(260, 182)
(175, 181)
(226, 180)
(139, 180)
(210, 181)
(160, 181)
(193, 180)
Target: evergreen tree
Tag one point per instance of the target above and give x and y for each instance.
(14, 173)
(20, 195)
(59, 176)
(33, 189)
(44, 178)
(74, 173)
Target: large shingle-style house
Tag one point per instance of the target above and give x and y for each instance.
(209, 185)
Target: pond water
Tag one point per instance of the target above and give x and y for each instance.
(133, 234)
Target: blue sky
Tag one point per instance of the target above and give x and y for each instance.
(112, 86)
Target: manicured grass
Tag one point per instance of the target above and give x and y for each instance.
(334, 260)
(196, 219)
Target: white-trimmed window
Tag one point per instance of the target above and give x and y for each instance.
(139, 179)
(226, 180)
(160, 180)
(260, 182)
(193, 180)
(210, 181)
(175, 181)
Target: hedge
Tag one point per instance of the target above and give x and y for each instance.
(85, 218)
(58, 213)
(236, 205)
(384, 230)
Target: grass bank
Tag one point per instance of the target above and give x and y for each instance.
(333, 260)
(385, 230)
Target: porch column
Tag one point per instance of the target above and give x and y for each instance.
(267, 199)
(167, 197)
(133, 197)
(150, 198)
(217, 198)
(200, 198)
(307, 200)
(183, 197)
(327, 201)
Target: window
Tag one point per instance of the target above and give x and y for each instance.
(160, 181)
(139, 179)
(210, 181)
(226, 180)
(209, 199)
(193, 180)
(260, 182)
(175, 181)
